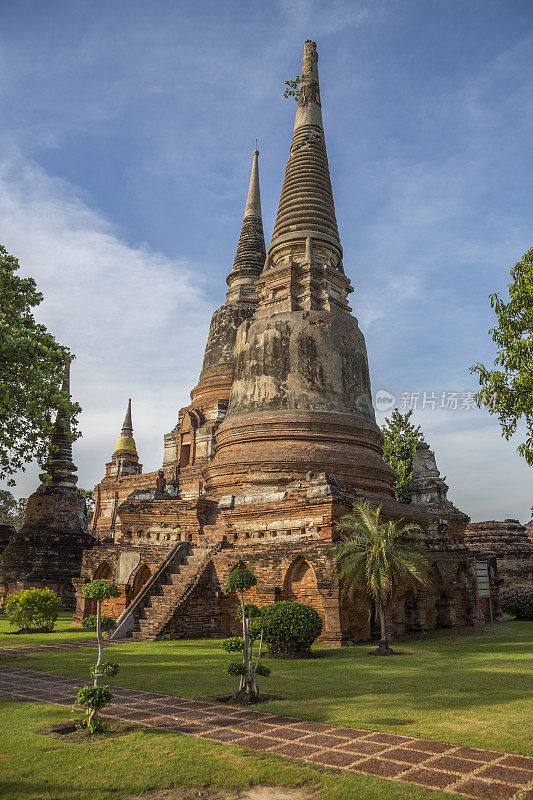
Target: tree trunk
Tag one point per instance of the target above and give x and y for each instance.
(242, 684)
(383, 648)
(100, 640)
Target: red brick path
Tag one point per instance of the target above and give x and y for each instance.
(464, 770)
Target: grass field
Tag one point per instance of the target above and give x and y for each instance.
(451, 686)
(37, 767)
(63, 632)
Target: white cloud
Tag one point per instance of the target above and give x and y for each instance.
(136, 319)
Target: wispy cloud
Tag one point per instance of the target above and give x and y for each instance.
(136, 319)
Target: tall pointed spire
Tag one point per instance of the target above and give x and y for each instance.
(306, 207)
(250, 254)
(59, 467)
(300, 396)
(126, 442)
(127, 428)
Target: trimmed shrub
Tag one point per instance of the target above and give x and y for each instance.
(100, 589)
(290, 628)
(106, 623)
(234, 644)
(94, 698)
(33, 609)
(518, 601)
(240, 580)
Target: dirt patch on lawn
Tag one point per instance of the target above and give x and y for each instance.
(73, 731)
(254, 793)
(242, 699)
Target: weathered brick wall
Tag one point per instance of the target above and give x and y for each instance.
(102, 561)
(509, 543)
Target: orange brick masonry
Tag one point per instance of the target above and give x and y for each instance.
(464, 770)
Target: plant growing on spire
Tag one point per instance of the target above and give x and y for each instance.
(292, 87)
(240, 580)
(95, 697)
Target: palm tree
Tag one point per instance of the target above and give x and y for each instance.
(376, 559)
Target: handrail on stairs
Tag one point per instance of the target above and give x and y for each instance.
(126, 622)
(197, 576)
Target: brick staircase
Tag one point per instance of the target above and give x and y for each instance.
(178, 585)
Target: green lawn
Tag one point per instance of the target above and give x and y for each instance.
(63, 632)
(36, 767)
(458, 687)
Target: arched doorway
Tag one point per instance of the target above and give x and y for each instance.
(143, 575)
(103, 571)
(300, 585)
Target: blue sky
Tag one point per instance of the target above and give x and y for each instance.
(125, 148)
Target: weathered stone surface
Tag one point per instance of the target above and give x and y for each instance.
(428, 489)
(127, 563)
(508, 542)
(6, 533)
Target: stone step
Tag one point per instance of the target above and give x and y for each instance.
(161, 606)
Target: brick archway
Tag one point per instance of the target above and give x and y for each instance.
(142, 575)
(300, 585)
(103, 571)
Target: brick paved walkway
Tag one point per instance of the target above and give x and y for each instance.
(464, 770)
(36, 648)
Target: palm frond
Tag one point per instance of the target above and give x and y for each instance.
(376, 559)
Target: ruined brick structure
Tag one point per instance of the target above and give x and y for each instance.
(508, 542)
(278, 441)
(48, 547)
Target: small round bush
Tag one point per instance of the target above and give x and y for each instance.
(94, 697)
(240, 580)
(33, 609)
(290, 628)
(106, 623)
(236, 669)
(517, 601)
(108, 669)
(234, 644)
(250, 610)
(100, 589)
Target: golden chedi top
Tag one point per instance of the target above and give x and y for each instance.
(126, 442)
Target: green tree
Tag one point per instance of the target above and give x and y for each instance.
(32, 365)
(507, 388)
(11, 509)
(400, 441)
(240, 580)
(376, 560)
(95, 697)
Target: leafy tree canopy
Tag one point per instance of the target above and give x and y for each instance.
(240, 580)
(507, 388)
(100, 589)
(32, 366)
(401, 439)
(11, 509)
